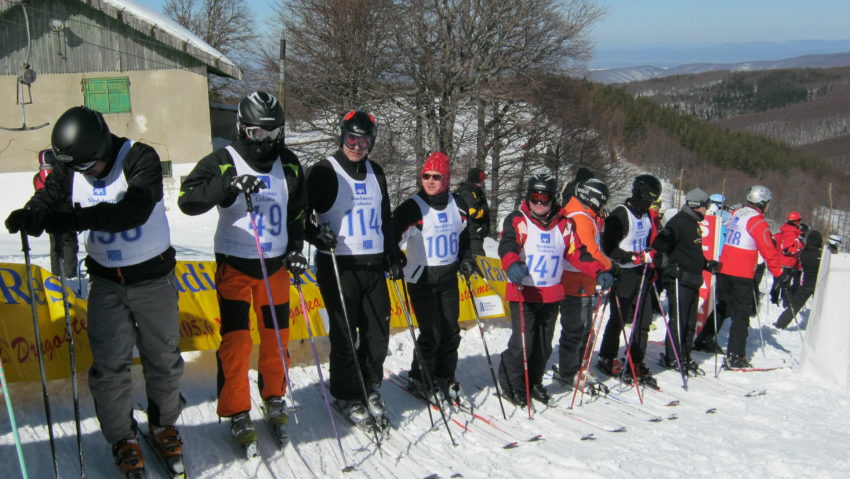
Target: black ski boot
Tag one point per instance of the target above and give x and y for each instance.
(517, 398)
(611, 367)
(734, 361)
(539, 393)
(277, 418)
(644, 376)
(708, 344)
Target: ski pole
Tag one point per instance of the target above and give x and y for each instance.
(629, 360)
(794, 314)
(635, 327)
(25, 245)
(670, 337)
(422, 366)
(758, 319)
(250, 208)
(486, 349)
(12, 422)
(347, 468)
(349, 335)
(583, 372)
(679, 346)
(63, 280)
(524, 350)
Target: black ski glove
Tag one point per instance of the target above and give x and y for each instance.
(712, 266)
(29, 220)
(325, 238)
(249, 184)
(296, 263)
(517, 272)
(58, 223)
(394, 264)
(468, 267)
(604, 279)
(673, 271)
(785, 278)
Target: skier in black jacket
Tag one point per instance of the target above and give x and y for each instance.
(680, 259)
(347, 193)
(433, 225)
(810, 259)
(471, 192)
(115, 187)
(625, 239)
(256, 164)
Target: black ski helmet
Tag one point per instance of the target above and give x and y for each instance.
(593, 192)
(259, 109)
(646, 187)
(359, 123)
(541, 183)
(81, 136)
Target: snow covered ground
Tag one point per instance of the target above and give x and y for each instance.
(797, 428)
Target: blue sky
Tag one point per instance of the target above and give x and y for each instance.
(688, 23)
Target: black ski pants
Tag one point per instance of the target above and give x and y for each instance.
(628, 292)
(798, 299)
(539, 329)
(736, 296)
(683, 299)
(437, 308)
(576, 316)
(368, 304)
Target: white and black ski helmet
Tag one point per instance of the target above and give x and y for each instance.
(593, 192)
(834, 239)
(759, 195)
(541, 183)
(259, 109)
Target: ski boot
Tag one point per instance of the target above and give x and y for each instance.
(517, 398)
(692, 368)
(566, 380)
(128, 457)
(419, 388)
(644, 376)
(611, 367)
(539, 393)
(451, 390)
(668, 362)
(708, 344)
(274, 409)
(242, 429)
(379, 411)
(169, 446)
(734, 361)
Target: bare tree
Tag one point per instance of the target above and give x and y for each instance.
(225, 25)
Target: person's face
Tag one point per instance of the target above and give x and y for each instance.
(432, 182)
(540, 203)
(701, 210)
(96, 169)
(355, 147)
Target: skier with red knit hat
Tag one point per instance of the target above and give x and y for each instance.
(433, 224)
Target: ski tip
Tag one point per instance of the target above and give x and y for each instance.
(672, 417)
(711, 411)
(510, 445)
(457, 474)
(349, 469)
(619, 429)
(656, 419)
(588, 437)
(432, 476)
(538, 437)
(674, 402)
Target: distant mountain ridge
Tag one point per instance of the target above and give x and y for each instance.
(647, 72)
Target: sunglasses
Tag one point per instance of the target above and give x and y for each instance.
(435, 176)
(356, 141)
(259, 133)
(540, 198)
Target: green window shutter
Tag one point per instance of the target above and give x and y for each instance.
(107, 95)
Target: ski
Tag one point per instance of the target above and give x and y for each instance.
(754, 370)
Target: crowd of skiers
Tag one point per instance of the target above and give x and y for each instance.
(562, 256)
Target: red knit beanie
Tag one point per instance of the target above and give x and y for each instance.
(438, 162)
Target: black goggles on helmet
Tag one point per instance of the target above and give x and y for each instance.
(69, 161)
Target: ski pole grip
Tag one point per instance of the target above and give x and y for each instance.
(249, 205)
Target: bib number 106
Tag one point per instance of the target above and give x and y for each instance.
(441, 246)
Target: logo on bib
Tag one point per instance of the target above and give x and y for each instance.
(546, 238)
(367, 244)
(114, 255)
(267, 180)
(443, 217)
(99, 188)
(360, 188)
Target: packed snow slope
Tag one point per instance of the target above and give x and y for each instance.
(791, 425)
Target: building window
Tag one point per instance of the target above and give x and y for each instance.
(107, 95)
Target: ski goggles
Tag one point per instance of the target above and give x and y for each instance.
(434, 176)
(69, 160)
(259, 133)
(538, 198)
(356, 141)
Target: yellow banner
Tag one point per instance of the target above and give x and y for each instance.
(199, 314)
